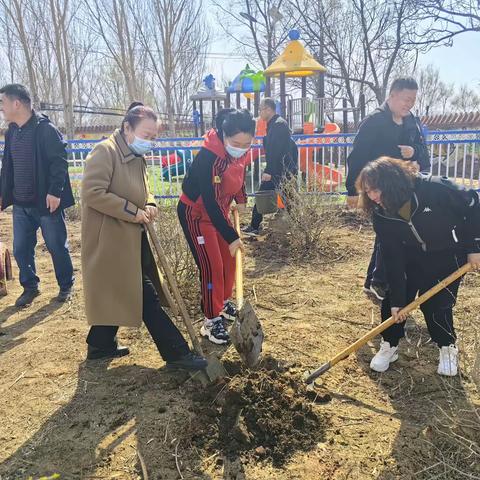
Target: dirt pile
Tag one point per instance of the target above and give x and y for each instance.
(352, 219)
(267, 414)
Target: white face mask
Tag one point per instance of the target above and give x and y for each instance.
(235, 152)
(141, 146)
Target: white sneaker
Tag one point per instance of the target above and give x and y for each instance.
(385, 355)
(448, 364)
(215, 331)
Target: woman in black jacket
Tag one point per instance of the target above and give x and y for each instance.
(428, 227)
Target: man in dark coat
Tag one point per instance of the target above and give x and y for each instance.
(280, 154)
(34, 179)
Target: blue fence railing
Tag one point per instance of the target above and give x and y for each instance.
(322, 160)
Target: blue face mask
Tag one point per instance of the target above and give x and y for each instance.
(141, 146)
(235, 152)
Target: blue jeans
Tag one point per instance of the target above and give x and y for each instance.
(26, 222)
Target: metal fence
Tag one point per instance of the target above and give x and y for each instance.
(321, 162)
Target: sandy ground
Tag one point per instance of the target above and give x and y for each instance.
(103, 420)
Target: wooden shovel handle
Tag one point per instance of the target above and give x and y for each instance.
(3, 276)
(239, 264)
(387, 323)
(174, 287)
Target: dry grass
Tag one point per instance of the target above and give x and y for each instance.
(178, 255)
(404, 424)
(307, 231)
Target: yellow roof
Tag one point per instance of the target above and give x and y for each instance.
(295, 61)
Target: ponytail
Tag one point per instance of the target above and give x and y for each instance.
(136, 112)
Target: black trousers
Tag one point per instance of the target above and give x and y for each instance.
(169, 341)
(425, 270)
(376, 269)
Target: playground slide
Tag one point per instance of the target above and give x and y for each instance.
(327, 179)
(175, 163)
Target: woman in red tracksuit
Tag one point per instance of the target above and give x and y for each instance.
(214, 180)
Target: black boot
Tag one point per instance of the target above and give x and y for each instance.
(190, 361)
(27, 297)
(95, 353)
(64, 295)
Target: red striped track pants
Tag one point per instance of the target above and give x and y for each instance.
(212, 256)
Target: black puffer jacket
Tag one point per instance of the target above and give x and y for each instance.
(445, 217)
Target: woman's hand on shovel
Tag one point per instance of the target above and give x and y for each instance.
(142, 216)
(234, 246)
(399, 317)
(152, 212)
(474, 261)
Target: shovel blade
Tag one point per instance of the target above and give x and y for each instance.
(215, 369)
(214, 372)
(247, 335)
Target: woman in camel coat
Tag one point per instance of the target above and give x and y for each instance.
(120, 279)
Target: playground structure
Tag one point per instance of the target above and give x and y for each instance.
(210, 95)
(296, 62)
(317, 175)
(249, 83)
(305, 115)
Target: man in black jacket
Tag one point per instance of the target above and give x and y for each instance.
(393, 131)
(280, 155)
(34, 179)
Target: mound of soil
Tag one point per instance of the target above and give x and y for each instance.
(268, 414)
(352, 218)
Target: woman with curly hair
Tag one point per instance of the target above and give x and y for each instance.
(428, 228)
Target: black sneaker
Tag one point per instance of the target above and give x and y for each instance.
(378, 290)
(215, 331)
(95, 353)
(229, 311)
(250, 231)
(27, 297)
(64, 295)
(191, 361)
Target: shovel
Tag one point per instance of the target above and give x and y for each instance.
(5, 270)
(246, 332)
(215, 370)
(311, 377)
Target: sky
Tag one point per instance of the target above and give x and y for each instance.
(458, 63)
